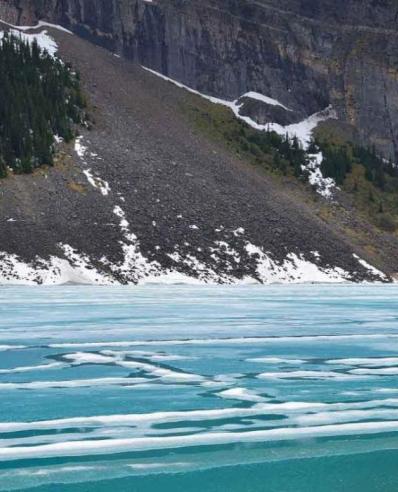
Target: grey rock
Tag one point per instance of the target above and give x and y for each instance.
(305, 53)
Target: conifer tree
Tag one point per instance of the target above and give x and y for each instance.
(40, 98)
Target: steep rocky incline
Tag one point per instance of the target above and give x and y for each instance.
(145, 194)
(305, 53)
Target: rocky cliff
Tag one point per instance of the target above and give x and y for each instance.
(306, 53)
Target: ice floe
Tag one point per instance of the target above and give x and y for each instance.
(123, 359)
(242, 394)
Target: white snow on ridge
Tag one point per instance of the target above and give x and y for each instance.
(265, 99)
(37, 26)
(302, 130)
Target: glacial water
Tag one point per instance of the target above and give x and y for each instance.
(282, 388)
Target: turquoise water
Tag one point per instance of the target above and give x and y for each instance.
(199, 389)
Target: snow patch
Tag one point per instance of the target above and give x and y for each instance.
(95, 181)
(265, 99)
(374, 271)
(45, 42)
(80, 149)
(294, 269)
(134, 268)
(73, 268)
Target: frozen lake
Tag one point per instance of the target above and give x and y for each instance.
(281, 388)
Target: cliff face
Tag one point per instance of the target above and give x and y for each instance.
(305, 53)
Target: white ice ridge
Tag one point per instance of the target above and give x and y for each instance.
(73, 383)
(289, 409)
(366, 361)
(122, 359)
(108, 446)
(242, 394)
(315, 375)
(350, 338)
(5, 348)
(42, 367)
(302, 130)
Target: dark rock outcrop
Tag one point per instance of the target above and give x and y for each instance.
(306, 53)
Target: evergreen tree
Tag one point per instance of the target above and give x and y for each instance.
(40, 98)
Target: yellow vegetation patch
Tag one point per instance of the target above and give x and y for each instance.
(77, 187)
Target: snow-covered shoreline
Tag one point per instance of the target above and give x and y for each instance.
(78, 269)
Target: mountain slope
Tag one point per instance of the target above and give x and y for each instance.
(147, 194)
(305, 53)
